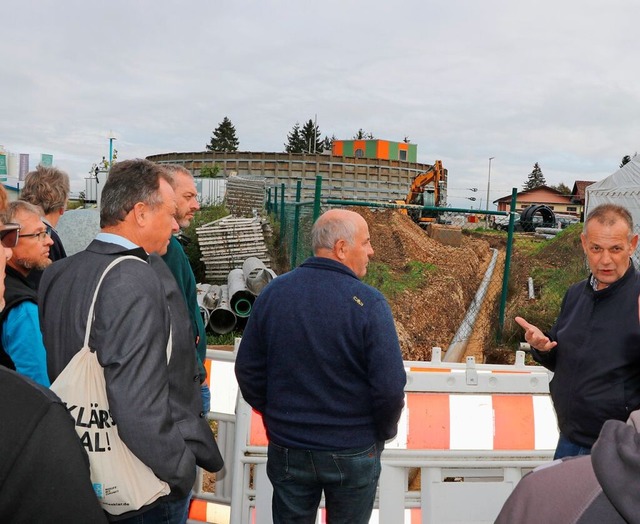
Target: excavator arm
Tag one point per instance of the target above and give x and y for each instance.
(420, 182)
(427, 181)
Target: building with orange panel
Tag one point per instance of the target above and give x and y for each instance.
(375, 148)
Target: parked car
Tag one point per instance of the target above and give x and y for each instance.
(563, 221)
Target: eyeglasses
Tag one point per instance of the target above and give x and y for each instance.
(9, 234)
(41, 235)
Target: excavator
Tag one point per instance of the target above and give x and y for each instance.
(425, 190)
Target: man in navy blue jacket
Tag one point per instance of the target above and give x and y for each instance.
(594, 346)
(320, 360)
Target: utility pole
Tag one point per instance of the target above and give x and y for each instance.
(486, 217)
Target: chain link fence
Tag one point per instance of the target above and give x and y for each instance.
(458, 284)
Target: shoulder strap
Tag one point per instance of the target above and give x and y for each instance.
(95, 293)
(95, 296)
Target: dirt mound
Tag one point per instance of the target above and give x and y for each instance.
(429, 315)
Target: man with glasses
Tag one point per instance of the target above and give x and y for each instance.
(21, 346)
(48, 188)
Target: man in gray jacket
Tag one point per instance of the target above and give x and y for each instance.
(592, 489)
(156, 404)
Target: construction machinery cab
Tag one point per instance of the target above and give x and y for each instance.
(425, 190)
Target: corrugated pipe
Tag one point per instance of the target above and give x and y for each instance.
(456, 349)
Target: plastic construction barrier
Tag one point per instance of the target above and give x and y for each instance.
(472, 431)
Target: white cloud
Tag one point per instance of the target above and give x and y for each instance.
(548, 82)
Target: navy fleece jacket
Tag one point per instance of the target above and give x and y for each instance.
(320, 359)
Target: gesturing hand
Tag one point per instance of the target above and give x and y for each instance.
(536, 338)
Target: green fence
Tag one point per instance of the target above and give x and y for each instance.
(480, 322)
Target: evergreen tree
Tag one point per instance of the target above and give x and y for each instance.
(563, 188)
(295, 141)
(224, 137)
(313, 142)
(361, 135)
(328, 142)
(535, 178)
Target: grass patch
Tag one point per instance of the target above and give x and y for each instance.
(228, 339)
(554, 265)
(392, 283)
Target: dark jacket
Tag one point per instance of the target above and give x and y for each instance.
(593, 489)
(157, 405)
(178, 263)
(320, 359)
(596, 363)
(17, 289)
(44, 470)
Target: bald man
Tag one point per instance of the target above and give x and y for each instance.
(326, 345)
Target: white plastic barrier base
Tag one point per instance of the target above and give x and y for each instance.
(472, 430)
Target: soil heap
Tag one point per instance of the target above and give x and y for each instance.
(430, 314)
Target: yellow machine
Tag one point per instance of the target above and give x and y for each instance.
(425, 190)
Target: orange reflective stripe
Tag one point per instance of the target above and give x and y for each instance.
(257, 434)
(198, 510)
(207, 366)
(514, 422)
(430, 370)
(429, 424)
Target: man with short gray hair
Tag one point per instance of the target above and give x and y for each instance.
(320, 360)
(153, 396)
(594, 346)
(21, 346)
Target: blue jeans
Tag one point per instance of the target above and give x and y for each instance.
(166, 512)
(348, 477)
(205, 392)
(567, 448)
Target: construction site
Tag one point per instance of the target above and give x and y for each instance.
(480, 418)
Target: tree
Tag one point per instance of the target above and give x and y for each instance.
(310, 133)
(207, 171)
(361, 135)
(328, 142)
(295, 142)
(563, 188)
(535, 178)
(224, 137)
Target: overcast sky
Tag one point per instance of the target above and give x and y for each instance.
(554, 82)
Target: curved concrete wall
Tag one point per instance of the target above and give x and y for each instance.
(342, 177)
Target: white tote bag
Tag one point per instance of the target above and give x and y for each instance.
(121, 481)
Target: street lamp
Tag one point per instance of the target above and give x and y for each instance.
(486, 218)
(489, 182)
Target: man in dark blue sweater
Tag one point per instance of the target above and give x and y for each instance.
(594, 346)
(320, 360)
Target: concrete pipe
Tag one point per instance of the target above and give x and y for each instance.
(201, 292)
(211, 297)
(222, 320)
(256, 275)
(240, 298)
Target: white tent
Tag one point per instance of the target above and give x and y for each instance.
(621, 187)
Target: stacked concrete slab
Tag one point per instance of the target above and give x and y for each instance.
(226, 243)
(245, 195)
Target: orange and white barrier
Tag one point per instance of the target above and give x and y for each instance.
(483, 425)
